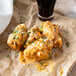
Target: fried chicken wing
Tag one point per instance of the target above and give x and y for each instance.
(34, 34)
(18, 37)
(51, 32)
(48, 30)
(38, 50)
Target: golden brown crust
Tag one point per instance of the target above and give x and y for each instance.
(41, 48)
(38, 42)
(18, 37)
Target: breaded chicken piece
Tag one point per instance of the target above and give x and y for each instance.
(38, 50)
(18, 37)
(48, 30)
(34, 34)
(51, 32)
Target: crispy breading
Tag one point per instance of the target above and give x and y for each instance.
(34, 34)
(38, 43)
(18, 37)
(38, 50)
(41, 47)
(51, 32)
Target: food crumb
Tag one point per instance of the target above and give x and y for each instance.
(41, 27)
(67, 44)
(66, 31)
(8, 56)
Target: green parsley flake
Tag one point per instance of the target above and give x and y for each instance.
(15, 31)
(33, 41)
(33, 30)
(41, 27)
(41, 63)
(28, 41)
(19, 32)
(43, 41)
(67, 44)
(23, 28)
(43, 37)
(28, 33)
(14, 37)
(17, 37)
(8, 56)
(57, 25)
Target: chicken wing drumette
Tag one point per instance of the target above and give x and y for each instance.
(18, 37)
(51, 32)
(36, 51)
